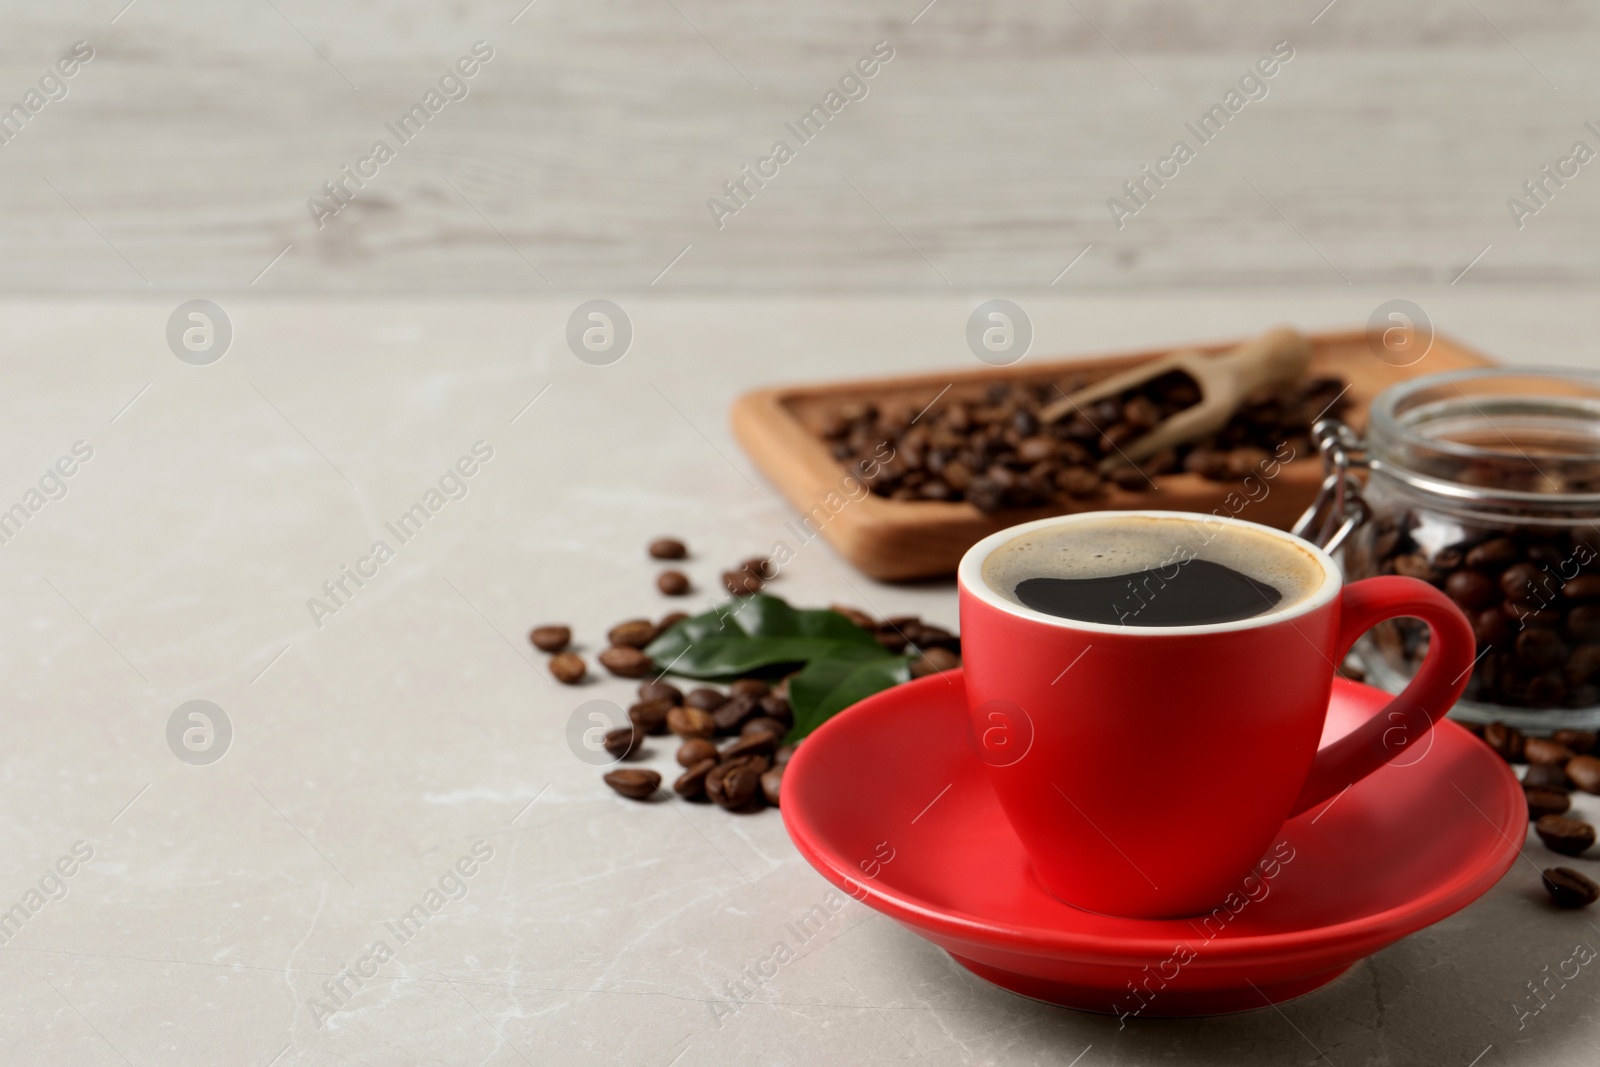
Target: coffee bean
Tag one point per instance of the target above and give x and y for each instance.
(741, 583)
(1130, 478)
(691, 784)
(651, 715)
(1507, 741)
(1078, 482)
(696, 749)
(732, 714)
(934, 661)
(860, 618)
(1491, 627)
(1542, 802)
(754, 688)
(1524, 581)
(635, 633)
(623, 741)
(634, 784)
(1585, 773)
(1569, 889)
(760, 567)
(1547, 776)
(733, 785)
(776, 706)
(1471, 589)
(1570, 837)
(1580, 741)
(1583, 587)
(661, 691)
(672, 583)
(669, 620)
(625, 662)
(706, 699)
(1544, 750)
(785, 753)
(1415, 566)
(756, 744)
(1492, 554)
(763, 724)
(1582, 665)
(1540, 649)
(667, 548)
(1583, 622)
(691, 722)
(550, 638)
(568, 668)
(771, 784)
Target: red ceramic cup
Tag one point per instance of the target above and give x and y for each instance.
(1146, 770)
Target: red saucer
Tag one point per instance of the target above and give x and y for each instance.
(886, 800)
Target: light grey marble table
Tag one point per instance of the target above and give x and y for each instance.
(412, 732)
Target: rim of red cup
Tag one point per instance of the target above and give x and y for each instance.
(969, 575)
(1381, 927)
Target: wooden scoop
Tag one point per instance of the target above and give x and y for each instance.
(1275, 358)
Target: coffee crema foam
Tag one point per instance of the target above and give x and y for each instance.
(1104, 548)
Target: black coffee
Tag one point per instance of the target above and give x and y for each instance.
(1153, 570)
(1183, 594)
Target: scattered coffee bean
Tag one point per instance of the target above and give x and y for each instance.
(1580, 741)
(635, 633)
(1569, 889)
(551, 638)
(785, 754)
(732, 714)
(761, 567)
(669, 620)
(625, 662)
(634, 784)
(1547, 776)
(763, 724)
(1544, 750)
(668, 548)
(741, 583)
(750, 687)
(1543, 801)
(1585, 773)
(568, 668)
(651, 715)
(776, 706)
(771, 783)
(855, 615)
(660, 691)
(624, 741)
(1505, 740)
(691, 784)
(695, 750)
(756, 744)
(672, 583)
(1570, 837)
(691, 722)
(934, 661)
(734, 784)
(706, 699)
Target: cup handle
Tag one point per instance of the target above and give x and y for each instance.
(1432, 692)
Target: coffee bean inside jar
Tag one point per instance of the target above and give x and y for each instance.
(1486, 484)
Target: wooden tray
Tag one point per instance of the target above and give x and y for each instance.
(896, 540)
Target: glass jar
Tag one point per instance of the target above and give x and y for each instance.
(1485, 483)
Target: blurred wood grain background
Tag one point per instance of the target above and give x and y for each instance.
(982, 158)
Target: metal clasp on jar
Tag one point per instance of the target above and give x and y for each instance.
(1339, 507)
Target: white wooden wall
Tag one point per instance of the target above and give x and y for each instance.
(183, 155)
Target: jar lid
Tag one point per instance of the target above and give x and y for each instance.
(1515, 436)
